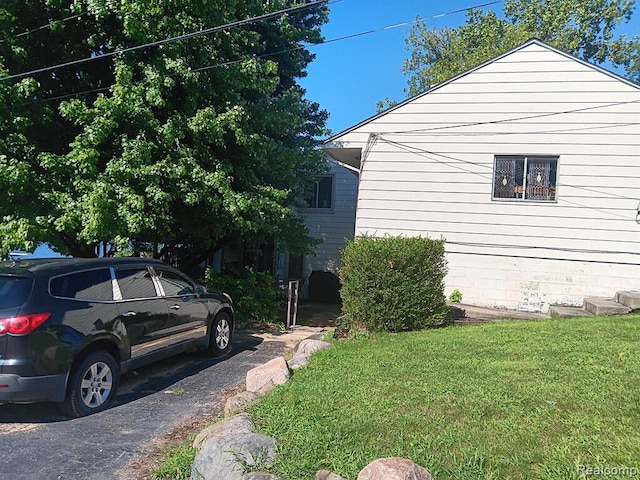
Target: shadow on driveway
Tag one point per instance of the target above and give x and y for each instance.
(136, 384)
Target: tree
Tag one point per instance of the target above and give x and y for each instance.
(188, 143)
(584, 28)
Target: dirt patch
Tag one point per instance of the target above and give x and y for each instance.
(143, 467)
(314, 314)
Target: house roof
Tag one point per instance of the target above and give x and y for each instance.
(350, 157)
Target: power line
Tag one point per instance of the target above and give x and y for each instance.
(186, 36)
(505, 120)
(425, 153)
(535, 132)
(289, 50)
(48, 25)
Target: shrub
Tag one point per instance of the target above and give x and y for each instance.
(256, 296)
(456, 296)
(393, 283)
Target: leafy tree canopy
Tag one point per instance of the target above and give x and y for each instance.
(193, 142)
(587, 29)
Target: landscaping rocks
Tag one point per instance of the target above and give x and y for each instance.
(238, 424)
(261, 476)
(394, 468)
(298, 361)
(309, 346)
(228, 457)
(229, 448)
(264, 378)
(239, 402)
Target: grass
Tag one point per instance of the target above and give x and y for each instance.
(509, 400)
(176, 463)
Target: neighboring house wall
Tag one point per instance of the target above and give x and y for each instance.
(332, 226)
(427, 169)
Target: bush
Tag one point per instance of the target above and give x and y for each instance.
(393, 283)
(256, 296)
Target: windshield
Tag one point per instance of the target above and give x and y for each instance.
(14, 291)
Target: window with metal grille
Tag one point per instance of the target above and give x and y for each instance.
(522, 177)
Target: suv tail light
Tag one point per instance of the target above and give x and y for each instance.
(23, 324)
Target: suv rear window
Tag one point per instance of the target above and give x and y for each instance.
(88, 285)
(14, 291)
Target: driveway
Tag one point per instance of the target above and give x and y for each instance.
(38, 443)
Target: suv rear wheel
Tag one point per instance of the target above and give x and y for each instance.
(92, 387)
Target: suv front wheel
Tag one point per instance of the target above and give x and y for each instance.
(92, 386)
(220, 335)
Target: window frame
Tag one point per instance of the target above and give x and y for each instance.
(157, 272)
(315, 195)
(82, 299)
(554, 162)
(152, 276)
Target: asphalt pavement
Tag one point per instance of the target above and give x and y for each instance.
(38, 443)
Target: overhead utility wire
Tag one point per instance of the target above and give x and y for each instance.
(289, 50)
(535, 132)
(420, 151)
(355, 35)
(186, 36)
(429, 155)
(48, 25)
(504, 120)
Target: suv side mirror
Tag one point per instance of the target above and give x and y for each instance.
(201, 289)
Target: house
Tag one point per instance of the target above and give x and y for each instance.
(330, 218)
(527, 165)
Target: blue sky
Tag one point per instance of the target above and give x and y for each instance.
(349, 77)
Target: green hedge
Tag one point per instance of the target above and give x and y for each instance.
(393, 284)
(256, 296)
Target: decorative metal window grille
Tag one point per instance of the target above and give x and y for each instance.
(525, 178)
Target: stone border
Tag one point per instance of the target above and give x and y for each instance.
(228, 448)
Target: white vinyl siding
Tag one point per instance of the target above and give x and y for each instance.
(332, 226)
(427, 169)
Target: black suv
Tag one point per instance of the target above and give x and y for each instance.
(70, 326)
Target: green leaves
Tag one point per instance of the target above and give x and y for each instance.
(195, 141)
(585, 28)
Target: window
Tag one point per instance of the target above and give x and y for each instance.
(525, 178)
(135, 283)
(322, 194)
(89, 285)
(174, 284)
(14, 291)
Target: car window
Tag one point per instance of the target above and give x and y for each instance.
(88, 285)
(174, 284)
(135, 283)
(14, 291)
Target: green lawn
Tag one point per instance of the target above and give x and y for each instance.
(509, 400)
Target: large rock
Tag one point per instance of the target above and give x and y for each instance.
(239, 402)
(327, 475)
(228, 457)
(394, 468)
(298, 361)
(262, 379)
(238, 424)
(261, 476)
(310, 346)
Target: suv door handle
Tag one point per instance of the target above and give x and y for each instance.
(130, 313)
(175, 307)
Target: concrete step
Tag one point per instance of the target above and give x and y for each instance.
(558, 311)
(631, 299)
(604, 306)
